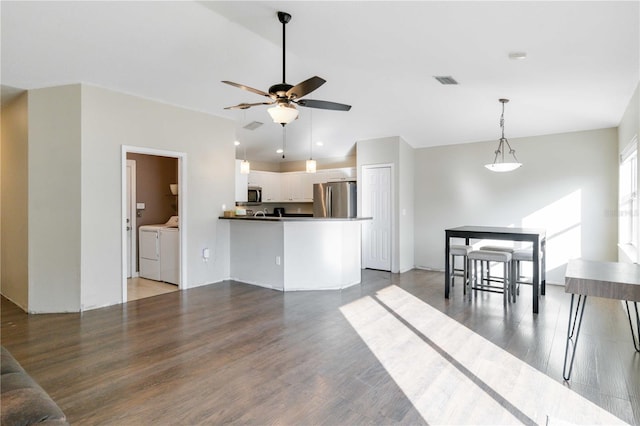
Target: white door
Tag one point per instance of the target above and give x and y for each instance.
(376, 203)
(131, 217)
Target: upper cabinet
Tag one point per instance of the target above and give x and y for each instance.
(343, 174)
(294, 186)
(241, 184)
(269, 182)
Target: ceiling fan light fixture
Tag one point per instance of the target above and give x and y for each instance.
(283, 114)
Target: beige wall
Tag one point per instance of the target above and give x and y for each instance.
(406, 207)
(567, 184)
(14, 202)
(395, 151)
(300, 166)
(73, 178)
(110, 120)
(55, 204)
(154, 174)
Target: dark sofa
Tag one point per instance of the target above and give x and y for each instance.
(23, 402)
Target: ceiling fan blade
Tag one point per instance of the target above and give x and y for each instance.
(245, 105)
(247, 88)
(304, 88)
(314, 103)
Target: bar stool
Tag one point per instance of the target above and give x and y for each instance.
(512, 271)
(456, 250)
(522, 255)
(503, 257)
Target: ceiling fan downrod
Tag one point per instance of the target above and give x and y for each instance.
(284, 18)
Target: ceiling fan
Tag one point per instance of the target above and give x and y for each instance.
(284, 96)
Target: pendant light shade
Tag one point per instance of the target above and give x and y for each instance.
(311, 163)
(499, 164)
(283, 114)
(245, 167)
(311, 166)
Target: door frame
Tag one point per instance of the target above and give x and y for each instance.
(392, 192)
(131, 191)
(182, 208)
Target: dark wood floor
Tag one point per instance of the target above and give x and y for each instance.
(236, 353)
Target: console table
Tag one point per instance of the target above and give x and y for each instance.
(620, 281)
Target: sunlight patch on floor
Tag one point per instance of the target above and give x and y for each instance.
(454, 376)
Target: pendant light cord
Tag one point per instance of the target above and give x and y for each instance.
(311, 135)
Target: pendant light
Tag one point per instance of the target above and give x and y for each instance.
(311, 163)
(499, 164)
(245, 166)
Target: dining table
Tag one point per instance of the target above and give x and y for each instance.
(536, 236)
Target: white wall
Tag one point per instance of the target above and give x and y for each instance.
(111, 119)
(568, 185)
(395, 151)
(254, 248)
(630, 124)
(629, 128)
(14, 196)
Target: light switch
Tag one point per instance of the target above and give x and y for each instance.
(140, 206)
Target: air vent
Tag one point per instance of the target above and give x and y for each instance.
(445, 79)
(253, 125)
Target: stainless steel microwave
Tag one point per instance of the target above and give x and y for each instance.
(254, 194)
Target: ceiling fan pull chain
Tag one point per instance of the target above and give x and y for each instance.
(284, 140)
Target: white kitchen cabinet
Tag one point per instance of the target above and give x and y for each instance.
(342, 174)
(292, 186)
(242, 181)
(295, 186)
(269, 182)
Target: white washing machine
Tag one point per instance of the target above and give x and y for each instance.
(159, 251)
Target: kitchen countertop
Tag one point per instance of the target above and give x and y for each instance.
(296, 219)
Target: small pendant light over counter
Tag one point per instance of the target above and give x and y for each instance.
(311, 163)
(499, 164)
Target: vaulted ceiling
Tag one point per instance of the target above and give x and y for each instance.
(581, 67)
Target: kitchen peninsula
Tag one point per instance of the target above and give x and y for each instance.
(296, 253)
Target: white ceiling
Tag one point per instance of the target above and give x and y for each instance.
(379, 56)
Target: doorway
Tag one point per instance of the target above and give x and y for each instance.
(377, 234)
(159, 178)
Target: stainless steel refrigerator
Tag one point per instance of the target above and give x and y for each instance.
(334, 199)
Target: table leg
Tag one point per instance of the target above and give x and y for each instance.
(543, 270)
(634, 334)
(566, 375)
(536, 274)
(446, 266)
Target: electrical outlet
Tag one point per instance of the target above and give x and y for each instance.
(278, 260)
(206, 254)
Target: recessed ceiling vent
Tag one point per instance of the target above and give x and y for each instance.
(445, 79)
(253, 125)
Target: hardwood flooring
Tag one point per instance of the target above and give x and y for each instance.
(389, 351)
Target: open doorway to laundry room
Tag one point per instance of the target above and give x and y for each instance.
(153, 215)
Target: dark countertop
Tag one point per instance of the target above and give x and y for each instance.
(296, 218)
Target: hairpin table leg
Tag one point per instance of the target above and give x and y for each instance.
(634, 334)
(566, 375)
